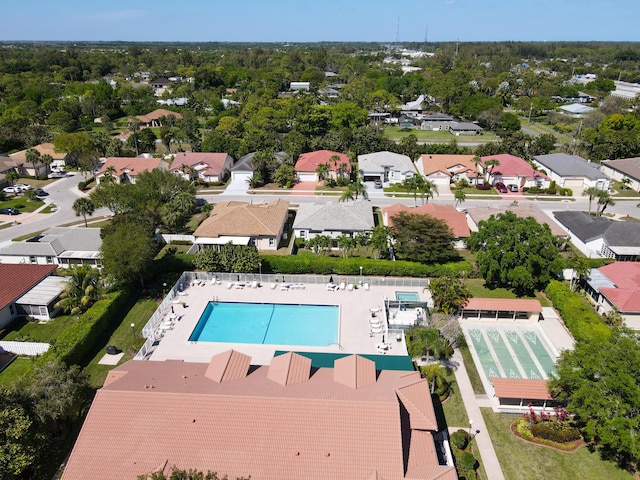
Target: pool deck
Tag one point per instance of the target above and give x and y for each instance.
(354, 331)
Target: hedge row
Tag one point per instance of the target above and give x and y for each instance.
(580, 319)
(75, 343)
(557, 431)
(311, 264)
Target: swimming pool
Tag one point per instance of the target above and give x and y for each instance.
(267, 323)
(407, 296)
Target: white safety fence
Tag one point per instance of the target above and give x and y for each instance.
(25, 348)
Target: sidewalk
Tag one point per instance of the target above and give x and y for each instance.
(483, 441)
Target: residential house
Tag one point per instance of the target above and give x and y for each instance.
(601, 237)
(464, 128)
(514, 170)
(445, 169)
(478, 214)
(241, 223)
(516, 394)
(308, 163)
(455, 220)
(388, 167)
(624, 170)
(572, 171)
(18, 161)
(243, 168)
(204, 166)
(25, 290)
(296, 86)
(127, 169)
(414, 106)
(576, 110)
(333, 219)
(616, 287)
(154, 119)
(59, 246)
(328, 92)
(285, 420)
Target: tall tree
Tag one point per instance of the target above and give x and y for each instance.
(591, 192)
(422, 238)
(33, 157)
(427, 188)
(460, 197)
(83, 289)
(449, 294)
(83, 206)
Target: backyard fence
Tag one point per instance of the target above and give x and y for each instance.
(25, 348)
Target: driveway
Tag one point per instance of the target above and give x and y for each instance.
(236, 187)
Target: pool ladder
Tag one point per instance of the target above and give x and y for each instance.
(215, 299)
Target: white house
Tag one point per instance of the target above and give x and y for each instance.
(387, 167)
(572, 171)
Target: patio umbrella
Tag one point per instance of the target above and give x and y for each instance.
(331, 279)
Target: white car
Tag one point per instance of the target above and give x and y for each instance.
(13, 189)
(23, 186)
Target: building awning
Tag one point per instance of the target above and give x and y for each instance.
(521, 388)
(503, 304)
(45, 292)
(224, 240)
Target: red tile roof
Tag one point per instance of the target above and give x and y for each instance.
(309, 162)
(134, 166)
(289, 368)
(160, 414)
(214, 162)
(156, 114)
(457, 221)
(244, 219)
(504, 304)
(521, 388)
(625, 300)
(626, 278)
(18, 279)
(512, 166)
(449, 165)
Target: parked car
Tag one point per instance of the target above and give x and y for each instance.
(41, 193)
(377, 184)
(499, 184)
(9, 211)
(513, 187)
(23, 186)
(12, 189)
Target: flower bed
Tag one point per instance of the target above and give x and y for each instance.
(568, 447)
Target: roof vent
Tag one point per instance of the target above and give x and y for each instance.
(296, 453)
(327, 454)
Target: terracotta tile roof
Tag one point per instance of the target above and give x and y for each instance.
(134, 166)
(289, 368)
(449, 165)
(512, 166)
(308, 162)
(522, 388)
(504, 304)
(625, 300)
(244, 219)
(215, 162)
(416, 399)
(43, 148)
(478, 214)
(169, 413)
(156, 114)
(623, 274)
(229, 365)
(354, 371)
(457, 221)
(17, 279)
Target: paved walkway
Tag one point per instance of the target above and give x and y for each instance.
(483, 440)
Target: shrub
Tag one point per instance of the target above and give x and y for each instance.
(557, 431)
(483, 186)
(300, 242)
(466, 461)
(522, 427)
(460, 439)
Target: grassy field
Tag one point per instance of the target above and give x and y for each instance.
(22, 204)
(21, 330)
(472, 371)
(522, 460)
(478, 289)
(396, 133)
(16, 370)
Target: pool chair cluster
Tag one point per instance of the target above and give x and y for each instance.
(241, 285)
(375, 322)
(167, 324)
(333, 287)
(288, 286)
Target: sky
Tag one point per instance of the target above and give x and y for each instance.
(317, 21)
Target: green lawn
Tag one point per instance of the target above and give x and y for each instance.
(477, 288)
(35, 332)
(472, 371)
(522, 460)
(22, 204)
(621, 191)
(123, 338)
(396, 133)
(17, 369)
(453, 407)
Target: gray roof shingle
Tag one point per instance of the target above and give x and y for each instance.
(341, 217)
(566, 165)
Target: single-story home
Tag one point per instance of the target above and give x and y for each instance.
(20, 293)
(516, 394)
(524, 210)
(616, 287)
(283, 420)
(601, 237)
(307, 165)
(572, 171)
(455, 220)
(522, 310)
(59, 246)
(23, 167)
(127, 169)
(242, 223)
(154, 119)
(624, 168)
(204, 166)
(464, 128)
(243, 168)
(333, 219)
(445, 169)
(576, 110)
(388, 167)
(514, 170)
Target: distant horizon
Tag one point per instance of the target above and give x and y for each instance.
(334, 21)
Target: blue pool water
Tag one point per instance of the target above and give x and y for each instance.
(407, 297)
(267, 323)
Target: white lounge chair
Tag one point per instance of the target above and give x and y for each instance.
(350, 287)
(376, 329)
(274, 286)
(342, 286)
(366, 286)
(254, 284)
(229, 285)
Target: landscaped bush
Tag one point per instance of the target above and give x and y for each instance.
(557, 431)
(580, 319)
(522, 427)
(300, 242)
(466, 461)
(460, 439)
(483, 186)
(312, 264)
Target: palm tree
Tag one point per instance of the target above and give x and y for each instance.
(11, 176)
(345, 243)
(47, 160)
(476, 160)
(33, 157)
(323, 171)
(604, 199)
(255, 180)
(427, 188)
(492, 163)
(591, 192)
(460, 197)
(343, 169)
(84, 206)
(412, 183)
(348, 194)
(84, 288)
(580, 267)
(435, 374)
(109, 175)
(360, 188)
